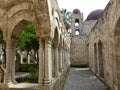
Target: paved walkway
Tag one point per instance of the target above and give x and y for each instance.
(83, 79)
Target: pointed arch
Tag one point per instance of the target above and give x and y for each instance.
(95, 58)
(21, 19)
(76, 20)
(18, 29)
(55, 53)
(117, 52)
(56, 36)
(100, 59)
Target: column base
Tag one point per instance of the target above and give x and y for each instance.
(45, 85)
(48, 81)
(45, 82)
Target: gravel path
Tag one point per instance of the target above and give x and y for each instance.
(83, 79)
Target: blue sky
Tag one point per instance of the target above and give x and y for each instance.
(85, 6)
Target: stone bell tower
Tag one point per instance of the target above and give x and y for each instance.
(78, 47)
(77, 22)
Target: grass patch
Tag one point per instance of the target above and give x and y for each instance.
(80, 65)
(108, 88)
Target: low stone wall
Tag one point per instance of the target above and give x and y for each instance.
(3, 86)
(59, 84)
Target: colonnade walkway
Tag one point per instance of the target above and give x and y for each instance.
(83, 79)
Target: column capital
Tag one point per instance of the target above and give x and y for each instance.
(45, 41)
(10, 42)
(60, 45)
(48, 41)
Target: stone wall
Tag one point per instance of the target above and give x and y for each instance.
(104, 47)
(79, 47)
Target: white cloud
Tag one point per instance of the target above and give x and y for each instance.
(85, 6)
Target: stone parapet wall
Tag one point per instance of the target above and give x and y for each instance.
(56, 83)
(59, 84)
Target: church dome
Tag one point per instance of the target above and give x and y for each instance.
(94, 15)
(76, 11)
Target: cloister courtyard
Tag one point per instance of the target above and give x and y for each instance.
(40, 51)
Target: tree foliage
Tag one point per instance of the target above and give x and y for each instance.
(28, 41)
(66, 15)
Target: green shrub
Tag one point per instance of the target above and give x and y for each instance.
(0, 62)
(24, 68)
(33, 70)
(80, 65)
(25, 60)
(28, 67)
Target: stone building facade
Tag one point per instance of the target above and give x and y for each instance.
(54, 43)
(104, 45)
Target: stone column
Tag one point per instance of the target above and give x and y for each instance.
(41, 62)
(63, 59)
(68, 57)
(28, 59)
(21, 58)
(60, 58)
(56, 61)
(10, 61)
(13, 60)
(48, 61)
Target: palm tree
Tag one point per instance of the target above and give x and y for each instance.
(66, 18)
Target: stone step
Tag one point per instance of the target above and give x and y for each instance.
(23, 86)
(22, 89)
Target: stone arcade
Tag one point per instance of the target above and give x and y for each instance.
(54, 43)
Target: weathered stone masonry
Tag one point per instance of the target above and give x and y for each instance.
(49, 27)
(104, 46)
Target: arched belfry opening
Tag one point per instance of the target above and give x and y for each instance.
(77, 21)
(100, 60)
(77, 27)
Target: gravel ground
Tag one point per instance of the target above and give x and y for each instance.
(83, 79)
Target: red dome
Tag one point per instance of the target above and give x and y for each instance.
(94, 15)
(76, 11)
